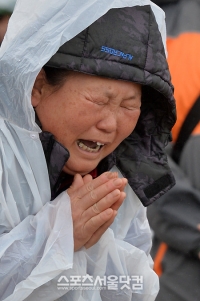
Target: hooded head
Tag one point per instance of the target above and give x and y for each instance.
(126, 44)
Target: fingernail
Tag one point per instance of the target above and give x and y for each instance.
(115, 212)
(108, 174)
(111, 175)
(109, 211)
(117, 182)
(126, 181)
(116, 192)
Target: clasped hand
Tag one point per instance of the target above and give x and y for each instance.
(94, 205)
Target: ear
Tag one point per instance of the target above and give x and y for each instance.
(38, 89)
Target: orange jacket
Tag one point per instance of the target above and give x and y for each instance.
(183, 45)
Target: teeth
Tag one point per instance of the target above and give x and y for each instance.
(89, 149)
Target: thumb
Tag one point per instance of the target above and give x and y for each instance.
(76, 184)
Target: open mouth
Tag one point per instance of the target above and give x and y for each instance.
(90, 146)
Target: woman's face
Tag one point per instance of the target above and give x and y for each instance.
(89, 115)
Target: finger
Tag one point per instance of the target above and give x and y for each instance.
(77, 183)
(97, 235)
(97, 221)
(124, 183)
(95, 190)
(198, 227)
(108, 201)
(100, 192)
(90, 185)
(99, 181)
(119, 202)
(88, 178)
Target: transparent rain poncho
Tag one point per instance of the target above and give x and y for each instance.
(36, 235)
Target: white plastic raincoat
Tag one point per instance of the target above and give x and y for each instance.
(36, 236)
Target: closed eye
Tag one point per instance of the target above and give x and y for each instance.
(130, 108)
(100, 102)
(131, 104)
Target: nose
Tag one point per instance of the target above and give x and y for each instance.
(108, 122)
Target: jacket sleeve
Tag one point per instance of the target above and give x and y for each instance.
(174, 217)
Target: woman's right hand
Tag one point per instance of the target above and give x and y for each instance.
(94, 205)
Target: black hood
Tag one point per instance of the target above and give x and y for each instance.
(162, 2)
(126, 44)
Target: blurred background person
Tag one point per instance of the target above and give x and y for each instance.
(175, 218)
(6, 9)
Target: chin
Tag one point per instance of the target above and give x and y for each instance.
(82, 171)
